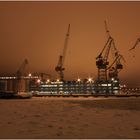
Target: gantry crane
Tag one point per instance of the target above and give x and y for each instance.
(59, 68)
(136, 43)
(116, 66)
(102, 59)
(20, 75)
(106, 71)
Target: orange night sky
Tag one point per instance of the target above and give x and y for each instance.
(36, 31)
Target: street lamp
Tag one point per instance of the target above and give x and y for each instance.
(29, 82)
(90, 83)
(79, 80)
(38, 81)
(112, 79)
(30, 75)
(58, 80)
(48, 80)
(90, 80)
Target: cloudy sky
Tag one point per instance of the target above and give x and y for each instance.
(36, 31)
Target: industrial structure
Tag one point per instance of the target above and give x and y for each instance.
(136, 43)
(107, 81)
(59, 68)
(16, 86)
(20, 84)
(80, 86)
(108, 70)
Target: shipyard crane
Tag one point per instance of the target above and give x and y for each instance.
(136, 43)
(59, 68)
(106, 71)
(20, 74)
(102, 59)
(116, 66)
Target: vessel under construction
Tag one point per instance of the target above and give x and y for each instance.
(75, 87)
(36, 86)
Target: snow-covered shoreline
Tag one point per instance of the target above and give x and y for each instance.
(64, 118)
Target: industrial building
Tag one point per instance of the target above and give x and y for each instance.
(75, 87)
(59, 87)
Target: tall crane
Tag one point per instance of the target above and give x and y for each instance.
(59, 68)
(116, 66)
(136, 43)
(20, 74)
(102, 59)
(106, 71)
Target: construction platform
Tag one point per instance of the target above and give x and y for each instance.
(75, 87)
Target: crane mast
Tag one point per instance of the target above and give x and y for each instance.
(116, 66)
(59, 68)
(102, 59)
(106, 71)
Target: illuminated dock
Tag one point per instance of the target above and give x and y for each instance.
(48, 87)
(83, 87)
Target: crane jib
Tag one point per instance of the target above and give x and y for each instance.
(59, 68)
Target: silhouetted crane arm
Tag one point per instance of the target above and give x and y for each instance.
(117, 58)
(110, 42)
(107, 45)
(106, 55)
(66, 44)
(59, 68)
(107, 31)
(136, 43)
